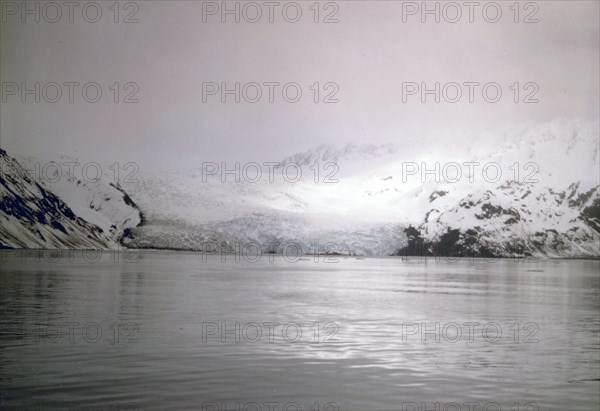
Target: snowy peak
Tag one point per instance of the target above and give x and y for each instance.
(33, 217)
(44, 207)
(377, 200)
(545, 202)
(89, 189)
(350, 152)
(516, 219)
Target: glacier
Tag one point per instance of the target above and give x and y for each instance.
(429, 195)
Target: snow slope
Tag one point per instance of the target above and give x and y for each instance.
(33, 217)
(527, 190)
(544, 202)
(89, 189)
(43, 206)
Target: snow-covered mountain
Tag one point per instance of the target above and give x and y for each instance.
(364, 198)
(33, 217)
(523, 191)
(47, 210)
(514, 219)
(89, 188)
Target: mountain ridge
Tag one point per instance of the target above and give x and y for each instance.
(382, 200)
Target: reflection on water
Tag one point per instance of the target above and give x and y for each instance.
(173, 331)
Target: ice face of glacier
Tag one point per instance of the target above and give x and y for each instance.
(523, 191)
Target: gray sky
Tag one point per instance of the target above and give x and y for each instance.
(369, 53)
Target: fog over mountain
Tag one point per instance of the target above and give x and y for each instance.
(369, 53)
(532, 191)
(324, 205)
(409, 130)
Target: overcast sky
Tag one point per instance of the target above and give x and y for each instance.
(368, 53)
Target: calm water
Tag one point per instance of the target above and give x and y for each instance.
(171, 331)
